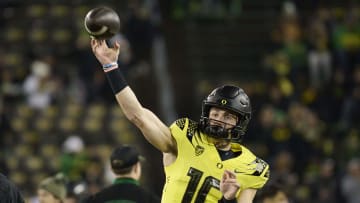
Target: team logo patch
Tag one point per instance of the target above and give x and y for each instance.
(260, 165)
(199, 150)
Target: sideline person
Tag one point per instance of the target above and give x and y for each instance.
(125, 163)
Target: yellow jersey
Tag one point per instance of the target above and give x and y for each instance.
(195, 175)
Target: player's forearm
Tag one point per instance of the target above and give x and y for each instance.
(123, 93)
(153, 129)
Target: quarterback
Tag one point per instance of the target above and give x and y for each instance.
(204, 161)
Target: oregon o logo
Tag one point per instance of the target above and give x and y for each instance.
(223, 102)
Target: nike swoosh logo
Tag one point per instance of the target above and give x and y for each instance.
(238, 171)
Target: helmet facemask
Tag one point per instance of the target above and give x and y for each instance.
(232, 99)
(234, 134)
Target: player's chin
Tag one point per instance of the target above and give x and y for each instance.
(221, 144)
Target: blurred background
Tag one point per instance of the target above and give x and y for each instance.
(299, 62)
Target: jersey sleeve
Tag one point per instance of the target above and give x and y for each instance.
(260, 175)
(253, 172)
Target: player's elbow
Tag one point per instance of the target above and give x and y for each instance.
(136, 118)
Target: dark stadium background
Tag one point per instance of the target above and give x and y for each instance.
(298, 61)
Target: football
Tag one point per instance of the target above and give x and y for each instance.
(102, 22)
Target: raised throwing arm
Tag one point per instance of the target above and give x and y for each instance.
(153, 129)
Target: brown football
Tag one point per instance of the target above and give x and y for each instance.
(102, 22)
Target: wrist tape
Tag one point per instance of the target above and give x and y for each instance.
(110, 66)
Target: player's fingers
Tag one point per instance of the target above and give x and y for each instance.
(104, 44)
(237, 185)
(224, 176)
(231, 181)
(226, 172)
(231, 174)
(117, 45)
(232, 184)
(94, 44)
(101, 43)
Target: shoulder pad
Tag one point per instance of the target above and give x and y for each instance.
(192, 128)
(181, 123)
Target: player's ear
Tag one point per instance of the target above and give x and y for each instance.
(137, 167)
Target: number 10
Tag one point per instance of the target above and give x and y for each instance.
(195, 177)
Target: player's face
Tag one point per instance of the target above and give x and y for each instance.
(46, 197)
(222, 118)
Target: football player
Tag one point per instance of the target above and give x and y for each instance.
(204, 161)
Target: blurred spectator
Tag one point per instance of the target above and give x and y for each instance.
(330, 98)
(11, 87)
(283, 172)
(10, 79)
(272, 193)
(125, 163)
(324, 186)
(73, 161)
(350, 185)
(5, 129)
(53, 189)
(4, 123)
(71, 198)
(93, 83)
(8, 191)
(208, 9)
(140, 32)
(319, 57)
(346, 40)
(351, 109)
(293, 46)
(39, 87)
(94, 174)
(350, 145)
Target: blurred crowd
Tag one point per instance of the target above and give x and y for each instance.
(54, 99)
(307, 108)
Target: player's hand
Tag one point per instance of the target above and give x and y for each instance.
(229, 185)
(103, 53)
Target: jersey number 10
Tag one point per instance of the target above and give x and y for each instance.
(195, 177)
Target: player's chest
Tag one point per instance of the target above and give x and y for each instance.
(208, 158)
